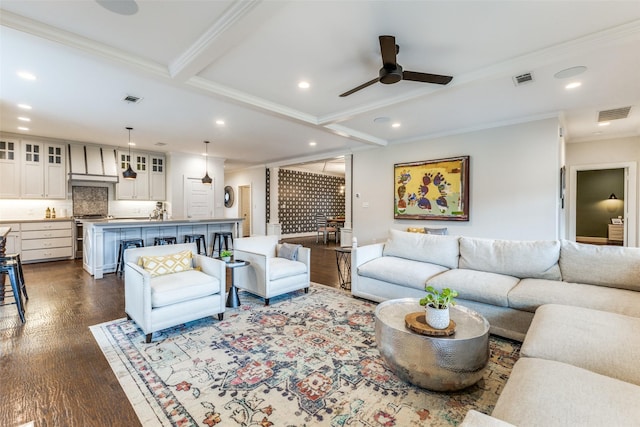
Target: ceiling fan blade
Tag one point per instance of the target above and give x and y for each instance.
(389, 50)
(362, 86)
(426, 78)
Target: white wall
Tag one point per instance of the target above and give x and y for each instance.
(613, 151)
(514, 183)
(256, 178)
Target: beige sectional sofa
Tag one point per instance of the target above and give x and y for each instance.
(576, 306)
(504, 280)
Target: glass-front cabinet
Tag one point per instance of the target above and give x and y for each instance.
(9, 169)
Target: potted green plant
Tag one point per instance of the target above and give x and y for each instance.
(437, 305)
(226, 255)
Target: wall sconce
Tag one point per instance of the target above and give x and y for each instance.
(613, 197)
(129, 173)
(206, 179)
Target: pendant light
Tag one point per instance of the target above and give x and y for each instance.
(206, 179)
(129, 173)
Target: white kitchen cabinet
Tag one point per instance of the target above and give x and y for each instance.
(43, 171)
(9, 169)
(12, 245)
(134, 189)
(157, 177)
(46, 240)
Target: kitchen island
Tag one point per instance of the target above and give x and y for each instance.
(102, 237)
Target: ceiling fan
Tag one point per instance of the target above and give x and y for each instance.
(391, 71)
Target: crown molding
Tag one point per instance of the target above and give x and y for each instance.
(26, 25)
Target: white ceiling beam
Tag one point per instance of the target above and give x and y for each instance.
(241, 18)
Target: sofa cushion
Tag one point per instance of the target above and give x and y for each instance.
(282, 267)
(478, 419)
(159, 265)
(602, 342)
(529, 294)
(480, 286)
(434, 249)
(613, 266)
(400, 271)
(548, 393)
(520, 258)
(184, 286)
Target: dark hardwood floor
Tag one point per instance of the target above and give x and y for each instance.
(52, 371)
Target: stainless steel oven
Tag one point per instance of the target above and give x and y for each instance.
(79, 236)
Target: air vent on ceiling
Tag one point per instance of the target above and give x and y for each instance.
(613, 114)
(522, 79)
(132, 99)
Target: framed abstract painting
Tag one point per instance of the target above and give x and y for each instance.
(432, 189)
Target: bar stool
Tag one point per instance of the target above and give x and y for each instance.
(16, 258)
(217, 237)
(124, 245)
(10, 267)
(164, 241)
(189, 238)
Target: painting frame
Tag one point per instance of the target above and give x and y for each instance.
(439, 192)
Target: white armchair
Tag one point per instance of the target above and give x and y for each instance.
(268, 275)
(159, 302)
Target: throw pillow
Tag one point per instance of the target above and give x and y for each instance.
(289, 251)
(440, 231)
(167, 264)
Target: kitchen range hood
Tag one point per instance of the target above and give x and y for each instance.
(91, 163)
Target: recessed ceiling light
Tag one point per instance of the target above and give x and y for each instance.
(24, 119)
(26, 75)
(573, 85)
(24, 106)
(220, 122)
(570, 72)
(395, 125)
(132, 143)
(22, 128)
(312, 143)
(304, 85)
(604, 123)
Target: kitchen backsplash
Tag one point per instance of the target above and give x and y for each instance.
(90, 201)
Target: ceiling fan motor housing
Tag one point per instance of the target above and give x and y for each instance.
(392, 74)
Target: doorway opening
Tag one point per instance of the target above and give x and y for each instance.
(603, 203)
(600, 204)
(244, 207)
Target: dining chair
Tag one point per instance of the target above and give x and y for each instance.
(325, 229)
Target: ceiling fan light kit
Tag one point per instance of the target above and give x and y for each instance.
(129, 173)
(392, 72)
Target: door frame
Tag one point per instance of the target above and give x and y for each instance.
(630, 198)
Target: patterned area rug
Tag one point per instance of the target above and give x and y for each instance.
(307, 359)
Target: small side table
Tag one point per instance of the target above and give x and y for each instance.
(233, 300)
(343, 261)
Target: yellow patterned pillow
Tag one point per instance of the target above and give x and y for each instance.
(167, 264)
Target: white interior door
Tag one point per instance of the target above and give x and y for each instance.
(198, 198)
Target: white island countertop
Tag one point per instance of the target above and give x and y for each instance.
(144, 222)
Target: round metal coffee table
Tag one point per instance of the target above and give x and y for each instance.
(435, 363)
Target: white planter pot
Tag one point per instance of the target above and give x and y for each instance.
(437, 318)
(226, 258)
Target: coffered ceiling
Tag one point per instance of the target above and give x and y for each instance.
(193, 63)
